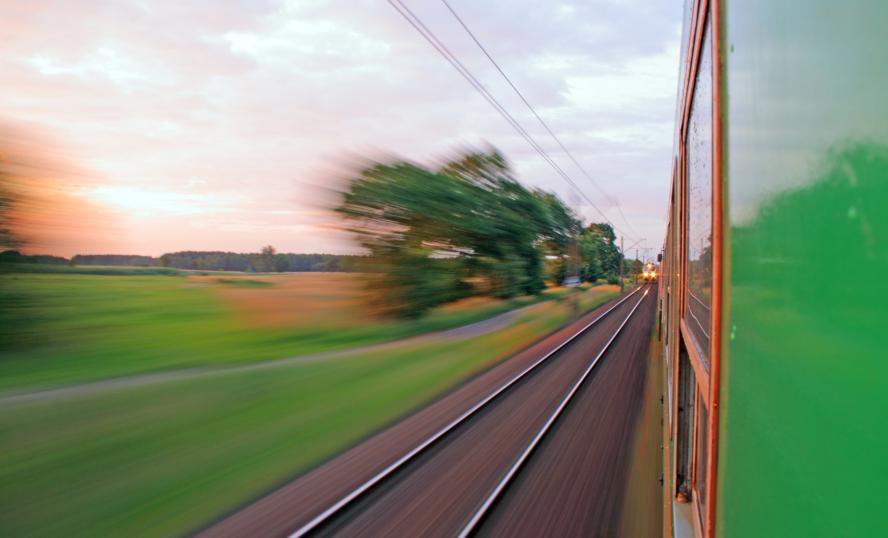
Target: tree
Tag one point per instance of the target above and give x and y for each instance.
(590, 257)
(264, 261)
(267, 256)
(281, 263)
(236, 261)
(7, 238)
(609, 254)
(432, 232)
(633, 269)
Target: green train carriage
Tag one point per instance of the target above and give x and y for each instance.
(773, 308)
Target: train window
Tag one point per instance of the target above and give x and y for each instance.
(699, 202)
(685, 434)
(701, 457)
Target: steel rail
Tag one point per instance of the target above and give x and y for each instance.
(324, 516)
(513, 470)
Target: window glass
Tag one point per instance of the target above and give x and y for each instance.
(685, 435)
(699, 178)
(702, 458)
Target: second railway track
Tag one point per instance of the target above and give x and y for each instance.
(448, 483)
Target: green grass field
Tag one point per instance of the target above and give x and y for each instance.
(58, 329)
(110, 270)
(168, 458)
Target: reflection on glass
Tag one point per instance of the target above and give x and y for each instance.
(699, 160)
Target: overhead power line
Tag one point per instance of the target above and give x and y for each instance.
(451, 58)
(534, 112)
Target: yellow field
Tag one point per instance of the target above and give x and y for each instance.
(290, 299)
(312, 299)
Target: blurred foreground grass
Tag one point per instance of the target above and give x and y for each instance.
(65, 328)
(167, 458)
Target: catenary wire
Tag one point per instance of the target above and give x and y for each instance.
(451, 58)
(536, 115)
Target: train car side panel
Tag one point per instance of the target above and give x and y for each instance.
(802, 440)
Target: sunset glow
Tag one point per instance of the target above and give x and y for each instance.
(229, 125)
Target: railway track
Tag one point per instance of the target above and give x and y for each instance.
(450, 482)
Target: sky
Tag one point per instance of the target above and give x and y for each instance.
(154, 126)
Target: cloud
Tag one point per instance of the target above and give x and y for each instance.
(237, 109)
(151, 203)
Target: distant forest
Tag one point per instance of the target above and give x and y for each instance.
(267, 260)
(14, 256)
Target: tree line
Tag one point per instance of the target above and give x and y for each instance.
(266, 260)
(467, 227)
(123, 260)
(14, 256)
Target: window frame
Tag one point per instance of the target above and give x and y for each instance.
(707, 376)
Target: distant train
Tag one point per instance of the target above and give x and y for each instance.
(772, 308)
(649, 273)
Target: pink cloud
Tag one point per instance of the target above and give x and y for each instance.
(242, 111)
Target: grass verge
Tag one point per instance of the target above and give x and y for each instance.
(166, 459)
(58, 329)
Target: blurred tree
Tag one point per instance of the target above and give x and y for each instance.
(510, 227)
(590, 247)
(19, 312)
(431, 232)
(608, 253)
(558, 271)
(633, 269)
(7, 238)
(405, 216)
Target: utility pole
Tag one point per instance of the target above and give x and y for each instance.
(575, 246)
(622, 257)
(575, 258)
(634, 269)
